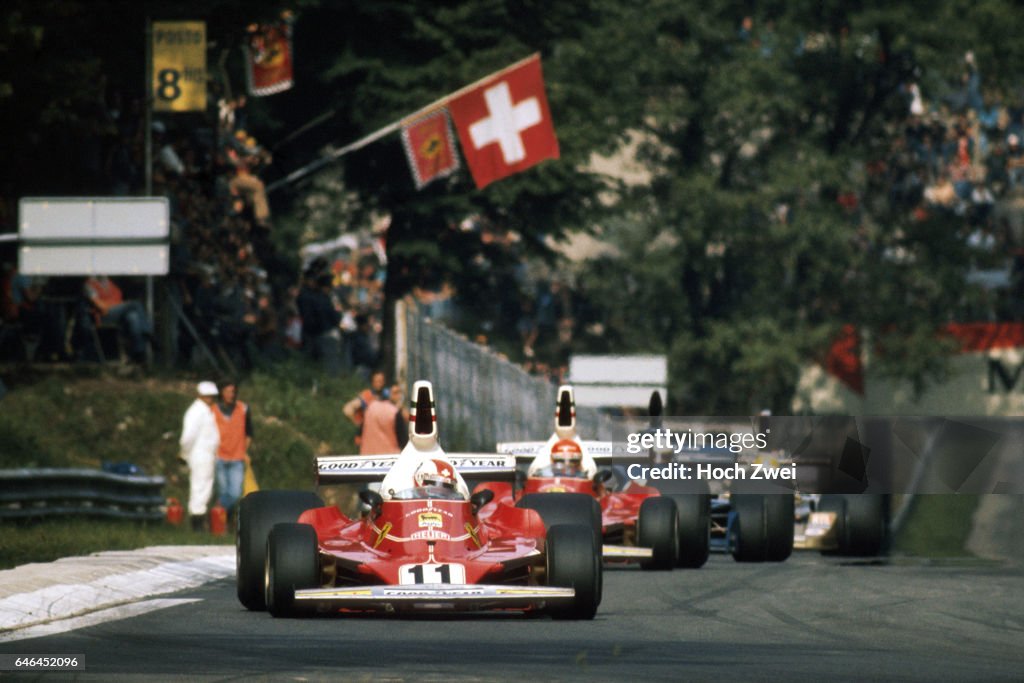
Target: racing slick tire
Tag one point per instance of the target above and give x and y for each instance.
(762, 527)
(292, 563)
(572, 561)
(658, 529)
(566, 508)
(694, 514)
(861, 523)
(257, 514)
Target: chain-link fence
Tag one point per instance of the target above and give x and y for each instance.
(481, 398)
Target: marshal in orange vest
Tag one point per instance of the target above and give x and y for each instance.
(232, 432)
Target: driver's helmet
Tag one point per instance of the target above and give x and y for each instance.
(566, 458)
(435, 473)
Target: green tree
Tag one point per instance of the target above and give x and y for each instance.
(389, 59)
(756, 138)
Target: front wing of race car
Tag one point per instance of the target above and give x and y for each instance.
(427, 596)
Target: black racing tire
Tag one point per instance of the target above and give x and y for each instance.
(293, 562)
(658, 529)
(257, 514)
(694, 513)
(762, 530)
(572, 561)
(566, 508)
(862, 522)
(569, 508)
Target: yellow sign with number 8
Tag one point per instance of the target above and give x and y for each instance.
(179, 66)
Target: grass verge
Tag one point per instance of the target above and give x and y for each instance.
(938, 526)
(83, 416)
(50, 539)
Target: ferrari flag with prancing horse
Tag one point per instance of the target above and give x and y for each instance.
(430, 147)
(268, 58)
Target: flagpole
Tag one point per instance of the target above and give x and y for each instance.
(334, 155)
(461, 91)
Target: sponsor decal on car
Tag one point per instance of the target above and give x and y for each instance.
(430, 535)
(430, 520)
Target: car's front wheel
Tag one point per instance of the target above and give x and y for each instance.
(257, 514)
(658, 529)
(761, 529)
(694, 513)
(292, 563)
(572, 561)
(861, 522)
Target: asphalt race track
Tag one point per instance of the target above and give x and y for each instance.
(810, 618)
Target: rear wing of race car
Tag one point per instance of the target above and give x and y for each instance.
(339, 469)
(526, 451)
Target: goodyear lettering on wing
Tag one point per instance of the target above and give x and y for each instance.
(431, 593)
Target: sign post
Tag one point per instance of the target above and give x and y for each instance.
(175, 82)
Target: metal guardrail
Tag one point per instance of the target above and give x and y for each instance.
(483, 397)
(29, 493)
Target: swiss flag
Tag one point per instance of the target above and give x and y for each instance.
(504, 123)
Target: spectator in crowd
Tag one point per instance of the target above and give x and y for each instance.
(234, 424)
(167, 155)
(363, 353)
(384, 428)
(41, 320)
(110, 307)
(8, 307)
(526, 326)
(320, 318)
(1014, 159)
(236, 323)
(200, 439)
(355, 409)
(268, 337)
(942, 194)
(230, 114)
(248, 157)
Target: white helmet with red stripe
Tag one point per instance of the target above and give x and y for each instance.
(436, 472)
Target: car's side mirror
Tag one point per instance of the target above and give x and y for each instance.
(372, 500)
(520, 482)
(602, 477)
(481, 498)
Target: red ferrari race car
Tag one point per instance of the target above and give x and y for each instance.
(420, 545)
(636, 523)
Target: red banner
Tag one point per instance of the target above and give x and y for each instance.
(268, 58)
(430, 147)
(504, 123)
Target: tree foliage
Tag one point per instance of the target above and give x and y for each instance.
(740, 255)
(741, 239)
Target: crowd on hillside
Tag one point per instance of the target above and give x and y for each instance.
(958, 153)
(960, 156)
(230, 294)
